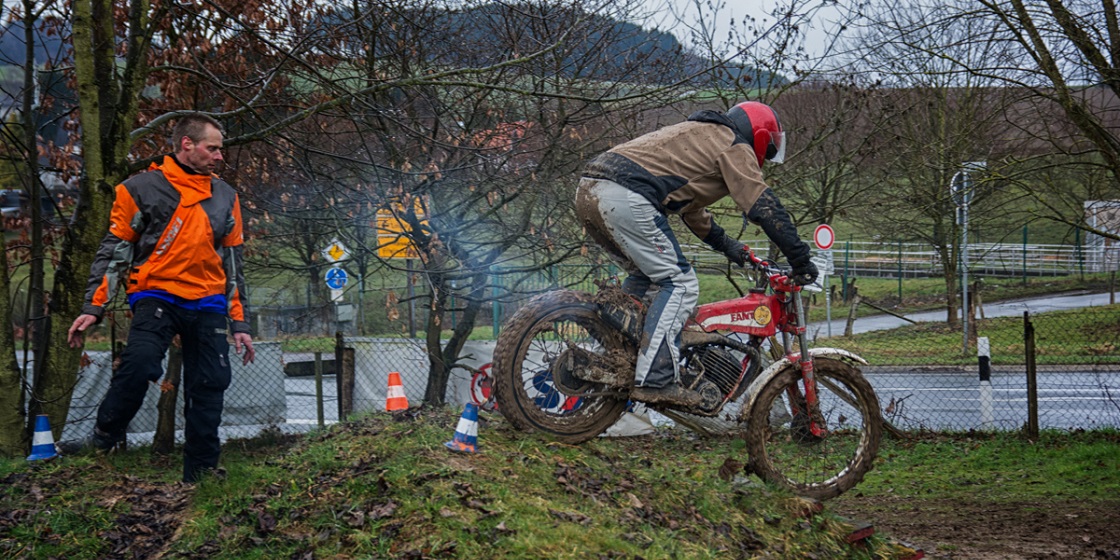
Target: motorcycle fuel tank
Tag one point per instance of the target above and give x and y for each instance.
(754, 314)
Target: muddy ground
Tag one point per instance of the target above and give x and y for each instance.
(941, 528)
(977, 530)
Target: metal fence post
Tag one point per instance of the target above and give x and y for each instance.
(344, 376)
(411, 303)
(1024, 255)
(1080, 255)
(900, 272)
(1032, 377)
(496, 306)
(319, 388)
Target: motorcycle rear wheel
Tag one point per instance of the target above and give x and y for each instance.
(781, 450)
(533, 362)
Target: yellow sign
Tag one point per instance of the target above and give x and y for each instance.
(336, 252)
(392, 238)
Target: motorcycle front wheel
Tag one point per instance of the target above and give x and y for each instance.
(783, 451)
(535, 360)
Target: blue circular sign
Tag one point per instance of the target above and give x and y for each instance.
(336, 278)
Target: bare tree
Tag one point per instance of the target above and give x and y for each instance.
(480, 172)
(1061, 57)
(932, 119)
(265, 67)
(27, 141)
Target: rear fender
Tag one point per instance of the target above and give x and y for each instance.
(783, 364)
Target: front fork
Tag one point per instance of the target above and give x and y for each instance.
(809, 403)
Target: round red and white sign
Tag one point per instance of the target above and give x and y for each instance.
(823, 237)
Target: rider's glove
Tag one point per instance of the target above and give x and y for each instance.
(804, 272)
(736, 252)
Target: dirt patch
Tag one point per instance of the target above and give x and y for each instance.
(149, 521)
(145, 516)
(975, 530)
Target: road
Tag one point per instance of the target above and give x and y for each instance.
(1067, 399)
(996, 309)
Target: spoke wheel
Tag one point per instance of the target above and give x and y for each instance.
(783, 452)
(535, 361)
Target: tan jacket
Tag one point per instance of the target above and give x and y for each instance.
(684, 168)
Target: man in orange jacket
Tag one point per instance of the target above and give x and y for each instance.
(175, 233)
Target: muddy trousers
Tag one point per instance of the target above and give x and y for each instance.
(636, 234)
(206, 376)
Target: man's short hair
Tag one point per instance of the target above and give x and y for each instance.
(192, 126)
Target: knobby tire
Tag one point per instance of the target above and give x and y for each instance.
(523, 357)
(783, 453)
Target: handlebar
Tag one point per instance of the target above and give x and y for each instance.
(779, 278)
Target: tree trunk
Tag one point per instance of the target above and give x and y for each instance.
(437, 370)
(951, 299)
(163, 443)
(107, 111)
(977, 300)
(13, 437)
(52, 390)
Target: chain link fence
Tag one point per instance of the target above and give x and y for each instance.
(1057, 370)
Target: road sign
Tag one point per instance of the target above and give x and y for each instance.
(336, 252)
(823, 260)
(336, 278)
(392, 239)
(824, 237)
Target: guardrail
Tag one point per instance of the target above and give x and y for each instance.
(911, 260)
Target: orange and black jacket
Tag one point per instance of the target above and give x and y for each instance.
(174, 232)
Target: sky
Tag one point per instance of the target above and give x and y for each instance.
(666, 14)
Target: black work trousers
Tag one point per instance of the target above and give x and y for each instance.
(206, 376)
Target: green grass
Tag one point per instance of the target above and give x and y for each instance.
(1089, 336)
(1000, 467)
(380, 488)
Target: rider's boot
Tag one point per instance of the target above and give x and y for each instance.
(661, 386)
(669, 394)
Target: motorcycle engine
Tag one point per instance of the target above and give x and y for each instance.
(716, 365)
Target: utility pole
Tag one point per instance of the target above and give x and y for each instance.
(961, 190)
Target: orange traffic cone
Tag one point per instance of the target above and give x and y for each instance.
(394, 397)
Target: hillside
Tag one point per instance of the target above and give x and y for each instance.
(386, 487)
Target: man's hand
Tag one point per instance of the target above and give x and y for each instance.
(244, 339)
(736, 252)
(76, 335)
(804, 273)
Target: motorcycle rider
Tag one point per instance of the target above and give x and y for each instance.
(626, 194)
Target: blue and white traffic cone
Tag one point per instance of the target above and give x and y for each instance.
(466, 433)
(42, 443)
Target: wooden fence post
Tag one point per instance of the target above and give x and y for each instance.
(344, 376)
(163, 443)
(1032, 377)
(855, 299)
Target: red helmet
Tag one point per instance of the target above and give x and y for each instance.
(759, 124)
